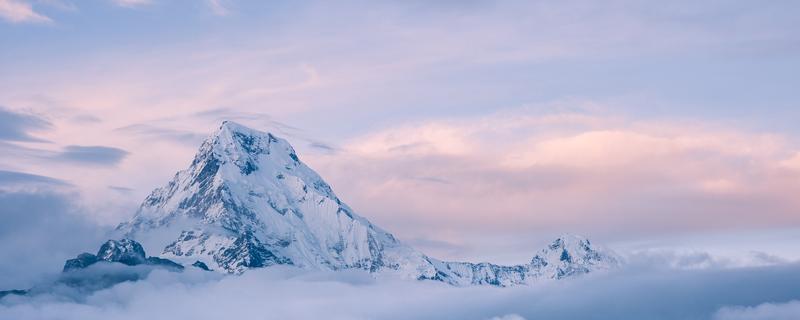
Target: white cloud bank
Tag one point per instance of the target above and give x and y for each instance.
(131, 3)
(280, 293)
(766, 311)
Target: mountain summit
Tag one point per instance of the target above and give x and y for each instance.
(247, 201)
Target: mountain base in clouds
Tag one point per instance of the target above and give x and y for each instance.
(125, 251)
(116, 262)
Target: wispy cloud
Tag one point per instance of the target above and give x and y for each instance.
(18, 126)
(132, 3)
(20, 11)
(157, 132)
(123, 190)
(13, 180)
(322, 146)
(218, 7)
(91, 155)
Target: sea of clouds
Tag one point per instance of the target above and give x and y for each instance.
(767, 292)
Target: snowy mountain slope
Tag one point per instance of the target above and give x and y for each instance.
(247, 201)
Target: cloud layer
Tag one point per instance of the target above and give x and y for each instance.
(284, 293)
(13, 178)
(42, 223)
(93, 155)
(41, 227)
(766, 311)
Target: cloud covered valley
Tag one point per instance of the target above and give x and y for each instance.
(640, 292)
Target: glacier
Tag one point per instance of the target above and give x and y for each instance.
(247, 201)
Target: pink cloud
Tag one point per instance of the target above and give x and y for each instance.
(20, 12)
(522, 174)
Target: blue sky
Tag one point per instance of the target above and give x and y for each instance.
(666, 120)
(720, 61)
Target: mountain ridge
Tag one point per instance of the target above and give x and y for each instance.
(247, 201)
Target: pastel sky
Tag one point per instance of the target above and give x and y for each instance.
(472, 129)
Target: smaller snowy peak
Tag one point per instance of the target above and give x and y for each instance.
(566, 256)
(570, 244)
(124, 251)
(117, 261)
(570, 255)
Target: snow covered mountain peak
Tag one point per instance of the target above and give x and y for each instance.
(570, 243)
(237, 172)
(237, 141)
(247, 201)
(122, 250)
(228, 125)
(570, 255)
(246, 148)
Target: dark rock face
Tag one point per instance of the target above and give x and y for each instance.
(201, 265)
(166, 263)
(13, 292)
(82, 261)
(125, 251)
(248, 252)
